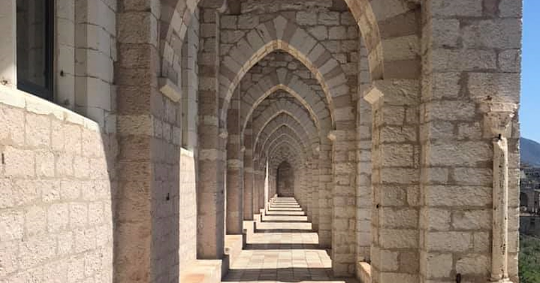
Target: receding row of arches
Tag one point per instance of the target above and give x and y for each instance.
(324, 101)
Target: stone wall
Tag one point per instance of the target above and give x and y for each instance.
(56, 194)
(285, 180)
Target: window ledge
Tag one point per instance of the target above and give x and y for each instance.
(16, 98)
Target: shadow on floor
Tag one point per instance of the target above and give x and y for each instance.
(283, 247)
(299, 231)
(284, 275)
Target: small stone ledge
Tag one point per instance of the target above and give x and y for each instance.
(169, 89)
(233, 247)
(202, 271)
(186, 152)
(31, 103)
(363, 272)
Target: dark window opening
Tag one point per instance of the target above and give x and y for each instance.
(35, 47)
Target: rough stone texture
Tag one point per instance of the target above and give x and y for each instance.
(56, 219)
(383, 110)
(285, 180)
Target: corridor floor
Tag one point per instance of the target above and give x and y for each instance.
(283, 248)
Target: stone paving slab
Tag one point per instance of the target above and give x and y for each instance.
(285, 251)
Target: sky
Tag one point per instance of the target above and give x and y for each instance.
(530, 80)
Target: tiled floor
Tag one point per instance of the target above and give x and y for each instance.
(283, 249)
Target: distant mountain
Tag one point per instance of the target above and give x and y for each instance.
(530, 152)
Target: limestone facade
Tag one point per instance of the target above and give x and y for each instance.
(392, 122)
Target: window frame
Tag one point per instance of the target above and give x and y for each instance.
(47, 91)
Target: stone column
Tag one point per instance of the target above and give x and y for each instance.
(343, 202)
(471, 58)
(256, 187)
(313, 191)
(210, 191)
(248, 175)
(395, 181)
(498, 119)
(325, 196)
(235, 178)
(136, 98)
(363, 181)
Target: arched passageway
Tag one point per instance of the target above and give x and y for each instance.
(261, 140)
(285, 180)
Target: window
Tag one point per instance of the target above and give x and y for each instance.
(35, 47)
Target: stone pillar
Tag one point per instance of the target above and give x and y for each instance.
(235, 178)
(210, 191)
(471, 58)
(260, 186)
(363, 181)
(325, 196)
(248, 175)
(136, 187)
(314, 192)
(256, 187)
(343, 202)
(395, 181)
(498, 119)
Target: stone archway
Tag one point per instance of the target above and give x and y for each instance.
(285, 180)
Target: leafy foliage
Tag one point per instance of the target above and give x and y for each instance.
(529, 259)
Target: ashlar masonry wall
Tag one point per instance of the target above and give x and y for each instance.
(56, 194)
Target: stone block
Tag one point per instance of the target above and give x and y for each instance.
(511, 8)
(319, 32)
(472, 220)
(438, 265)
(463, 8)
(502, 34)
(45, 164)
(37, 250)
(448, 241)
(474, 265)
(12, 132)
(85, 240)
(64, 165)
(459, 153)
(398, 218)
(463, 60)
(328, 18)
(58, 217)
(7, 197)
(19, 163)
(338, 32)
(501, 87)
(8, 257)
(306, 18)
(510, 60)
(445, 33)
(398, 239)
(459, 196)
(78, 215)
(435, 219)
(247, 22)
(35, 221)
(11, 225)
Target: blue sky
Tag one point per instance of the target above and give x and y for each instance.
(530, 81)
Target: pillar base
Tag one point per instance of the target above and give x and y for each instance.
(500, 281)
